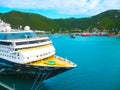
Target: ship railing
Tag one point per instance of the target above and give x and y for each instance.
(66, 60)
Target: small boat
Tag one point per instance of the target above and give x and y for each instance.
(72, 36)
(85, 34)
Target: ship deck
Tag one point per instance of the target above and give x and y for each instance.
(53, 61)
(35, 48)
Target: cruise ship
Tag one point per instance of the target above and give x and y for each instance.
(24, 54)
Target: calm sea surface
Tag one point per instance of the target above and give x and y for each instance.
(98, 60)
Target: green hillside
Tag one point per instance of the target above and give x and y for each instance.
(35, 21)
(108, 20)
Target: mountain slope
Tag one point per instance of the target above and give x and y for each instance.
(35, 21)
(108, 20)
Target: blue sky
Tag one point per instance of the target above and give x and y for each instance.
(60, 8)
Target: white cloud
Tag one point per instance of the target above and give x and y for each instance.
(71, 7)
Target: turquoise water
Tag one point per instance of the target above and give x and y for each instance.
(98, 67)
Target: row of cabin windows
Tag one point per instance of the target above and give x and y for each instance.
(14, 57)
(4, 43)
(3, 51)
(4, 47)
(41, 55)
(31, 42)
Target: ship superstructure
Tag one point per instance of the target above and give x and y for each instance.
(24, 54)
